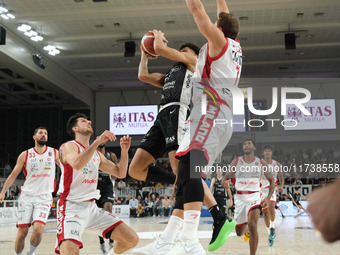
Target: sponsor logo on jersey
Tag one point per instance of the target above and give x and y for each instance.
(50, 154)
(49, 159)
(89, 181)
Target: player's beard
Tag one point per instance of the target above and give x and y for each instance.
(42, 142)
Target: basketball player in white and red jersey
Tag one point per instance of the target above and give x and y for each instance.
(77, 209)
(219, 66)
(248, 171)
(269, 212)
(38, 164)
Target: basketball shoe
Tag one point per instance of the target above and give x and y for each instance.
(186, 247)
(158, 246)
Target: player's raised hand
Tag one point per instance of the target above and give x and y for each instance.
(125, 142)
(146, 55)
(106, 136)
(159, 33)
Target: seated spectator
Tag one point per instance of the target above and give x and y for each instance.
(147, 206)
(16, 192)
(154, 192)
(121, 185)
(166, 206)
(140, 200)
(140, 210)
(145, 192)
(133, 203)
(157, 207)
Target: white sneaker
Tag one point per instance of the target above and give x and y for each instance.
(157, 247)
(187, 247)
(102, 248)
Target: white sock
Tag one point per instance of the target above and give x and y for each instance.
(268, 229)
(174, 225)
(18, 253)
(272, 225)
(190, 225)
(32, 250)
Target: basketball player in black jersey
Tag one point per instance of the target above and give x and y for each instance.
(106, 187)
(296, 202)
(163, 135)
(219, 190)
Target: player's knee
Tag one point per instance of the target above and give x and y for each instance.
(252, 227)
(239, 231)
(132, 240)
(22, 232)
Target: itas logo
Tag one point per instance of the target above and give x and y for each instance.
(294, 113)
(119, 119)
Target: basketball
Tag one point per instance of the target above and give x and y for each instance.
(147, 44)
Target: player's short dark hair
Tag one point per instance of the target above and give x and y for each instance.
(191, 46)
(249, 139)
(37, 129)
(229, 24)
(268, 147)
(297, 188)
(72, 122)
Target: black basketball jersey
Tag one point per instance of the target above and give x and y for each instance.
(104, 180)
(219, 190)
(296, 197)
(177, 86)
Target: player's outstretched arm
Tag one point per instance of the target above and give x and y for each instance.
(77, 160)
(155, 79)
(221, 7)
(167, 52)
(209, 30)
(119, 170)
(11, 178)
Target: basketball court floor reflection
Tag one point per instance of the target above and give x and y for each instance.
(294, 236)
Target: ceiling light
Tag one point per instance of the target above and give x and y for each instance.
(52, 50)
(319, 14)
(37, 38)
(299, 15)
(117, 24)
(31, 33)
(10, 14)
(170, 22)
(243, 18)
(310, 35)
(24, 27)
(3, 7)
(4, 16)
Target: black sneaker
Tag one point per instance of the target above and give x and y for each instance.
(221, 232)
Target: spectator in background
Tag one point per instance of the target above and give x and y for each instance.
(16, 192)
(121, 185)
(154, 192)
(145, 192)
(157, 207)
(166, 206)
(159, 185)
(147, 206)
(133, 203)
(140, 210)
(140, 200)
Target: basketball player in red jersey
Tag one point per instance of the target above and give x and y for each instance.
(77, 209)
(165, 135)
(38, 164)
(248, 171)
(269, 212)
(219, 63)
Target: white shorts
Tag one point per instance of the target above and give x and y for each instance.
(74, 218)
(33, 209)
(244, 203)
(264, 194)
(216, 137)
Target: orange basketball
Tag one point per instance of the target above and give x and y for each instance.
(147, 44)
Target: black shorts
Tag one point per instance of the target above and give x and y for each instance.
(106, 195)
(298, 203)
(162, 137)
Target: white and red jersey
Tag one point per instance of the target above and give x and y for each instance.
(39, 170)
(79, 184)
(248, 174)
(223, 71)
(273, 168)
